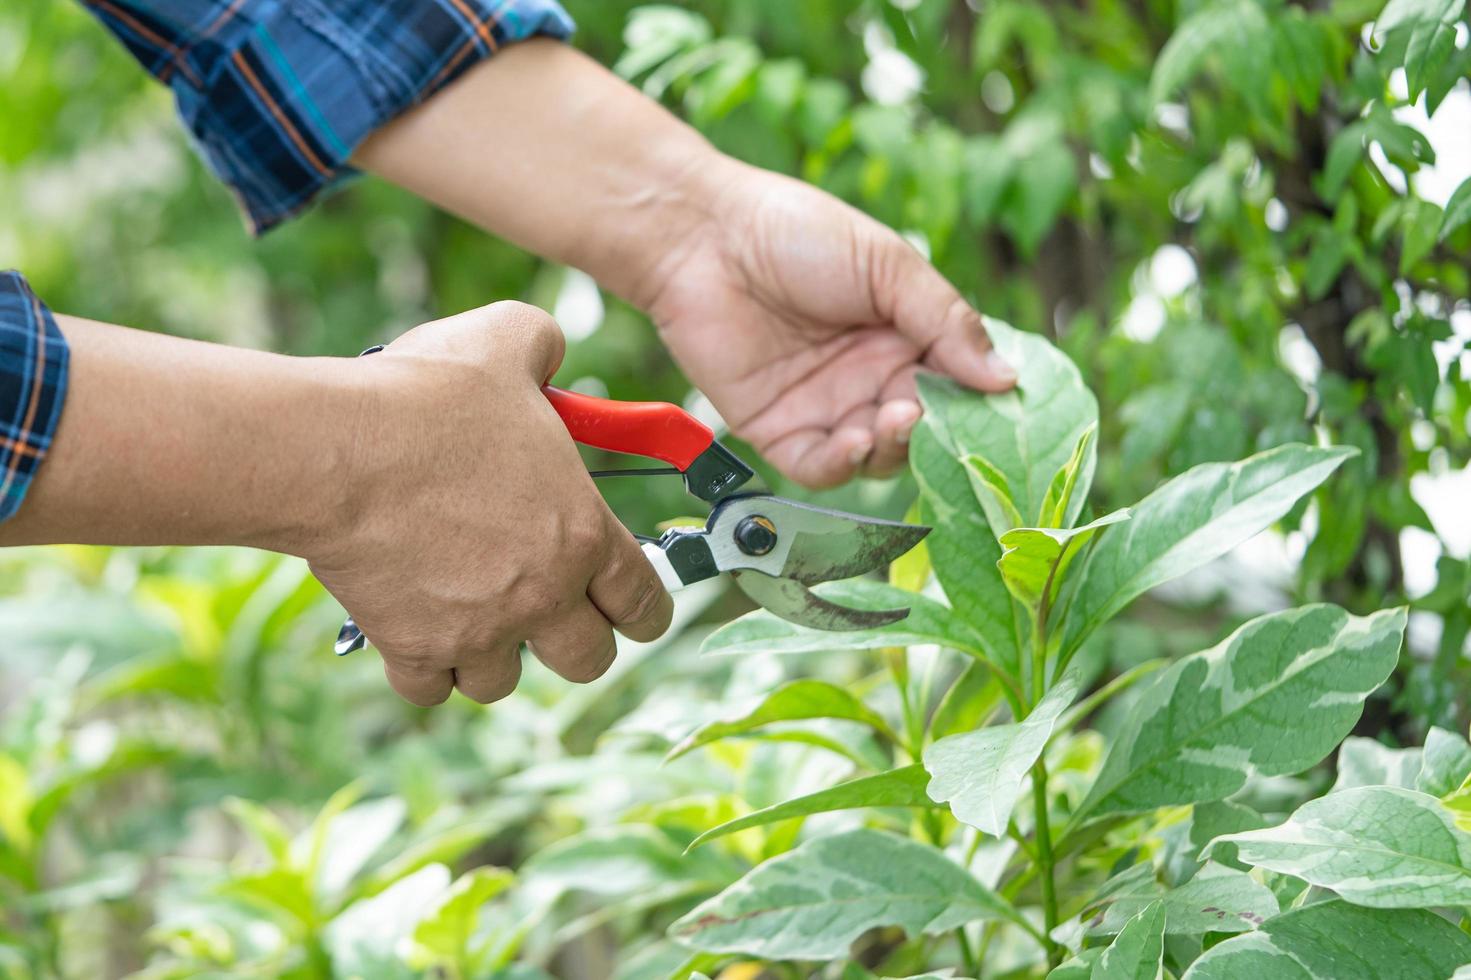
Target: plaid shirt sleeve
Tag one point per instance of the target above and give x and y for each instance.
(33, 360)
(277, 93)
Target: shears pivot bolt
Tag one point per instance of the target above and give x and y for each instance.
(755, 535)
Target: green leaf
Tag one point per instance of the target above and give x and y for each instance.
(1028, 434)
(1334, 941)
(1062, 504)
(968, 703)
(622, 860)
(446, 932)
(16, 800)
(987, 170)
(911, 570)
(800, 700)
(1215, 899)
(1236, 31)
(1137, 952)
(1457, 210)
(993, 493)
(1215, 819)
(927, 622)
(1079, 967)
(282, 893)
(445, 845)
(1430, 48)
(1366, 762)
(1422, 224)
(1446, 762)
(353, 838)
(897, 787)
(1330, 253)
(1432, 36)
(812, 902)
(778, 88)
(980, 773)
(1344, 153)
(656, 33)
(1196, 517)
(1274, 698)
(263, 825)
(1035, 563)
(1040, 188)
(1379, 846)
(963, 548)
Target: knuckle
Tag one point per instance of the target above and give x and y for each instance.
(426, 700)
(645, 603)
(593, 662)
(585, 539)
(535, 598)
(499, 685)
(963, 317)
(533, 326)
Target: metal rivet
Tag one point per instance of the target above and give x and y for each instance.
(755, 535)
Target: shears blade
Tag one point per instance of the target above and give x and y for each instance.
(775, 548)
(791, 600)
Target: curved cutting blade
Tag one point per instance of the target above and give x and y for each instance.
(815, 544)
(794, 602)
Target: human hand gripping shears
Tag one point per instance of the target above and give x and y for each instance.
(774, 548)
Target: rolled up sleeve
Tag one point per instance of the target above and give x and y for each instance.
(278, 93)
(33, 371)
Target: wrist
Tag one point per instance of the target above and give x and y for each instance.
(669, 210)
(317, 496)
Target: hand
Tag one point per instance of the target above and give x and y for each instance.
(474, 525)
(804, 321)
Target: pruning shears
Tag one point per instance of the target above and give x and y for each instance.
(773, 547)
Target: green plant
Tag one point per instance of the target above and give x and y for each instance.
(1056, 161)
(336, 900)
(1127, 853)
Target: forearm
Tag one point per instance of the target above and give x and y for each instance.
(544, 147)
(171, 441)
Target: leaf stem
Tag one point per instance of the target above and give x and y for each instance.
(1089, 704)
(967, 955)
(1045, 862)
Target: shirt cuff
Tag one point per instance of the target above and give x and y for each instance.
(285, 91)
(33, 373)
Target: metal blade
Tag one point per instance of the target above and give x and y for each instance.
(813, 544)
(794, 602)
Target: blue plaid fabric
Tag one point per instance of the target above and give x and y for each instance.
(33, 359)
(277, 93)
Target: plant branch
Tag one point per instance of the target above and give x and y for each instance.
(967, 955)
(1091, 703)
(1045, 863)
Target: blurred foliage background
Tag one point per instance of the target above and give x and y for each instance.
(1246, 220)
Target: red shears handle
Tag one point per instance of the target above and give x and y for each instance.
(657, 430)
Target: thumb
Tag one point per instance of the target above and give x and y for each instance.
(532, 333)
(505, 333)
(935, 317)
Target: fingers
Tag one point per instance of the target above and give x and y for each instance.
(489, 676)
(892, 425)
(627, 591)
(818, 458)
(578, 645)
(929, 311)
(426, 687)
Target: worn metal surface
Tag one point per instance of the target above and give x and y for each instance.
(794, 602)
(814, 544)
